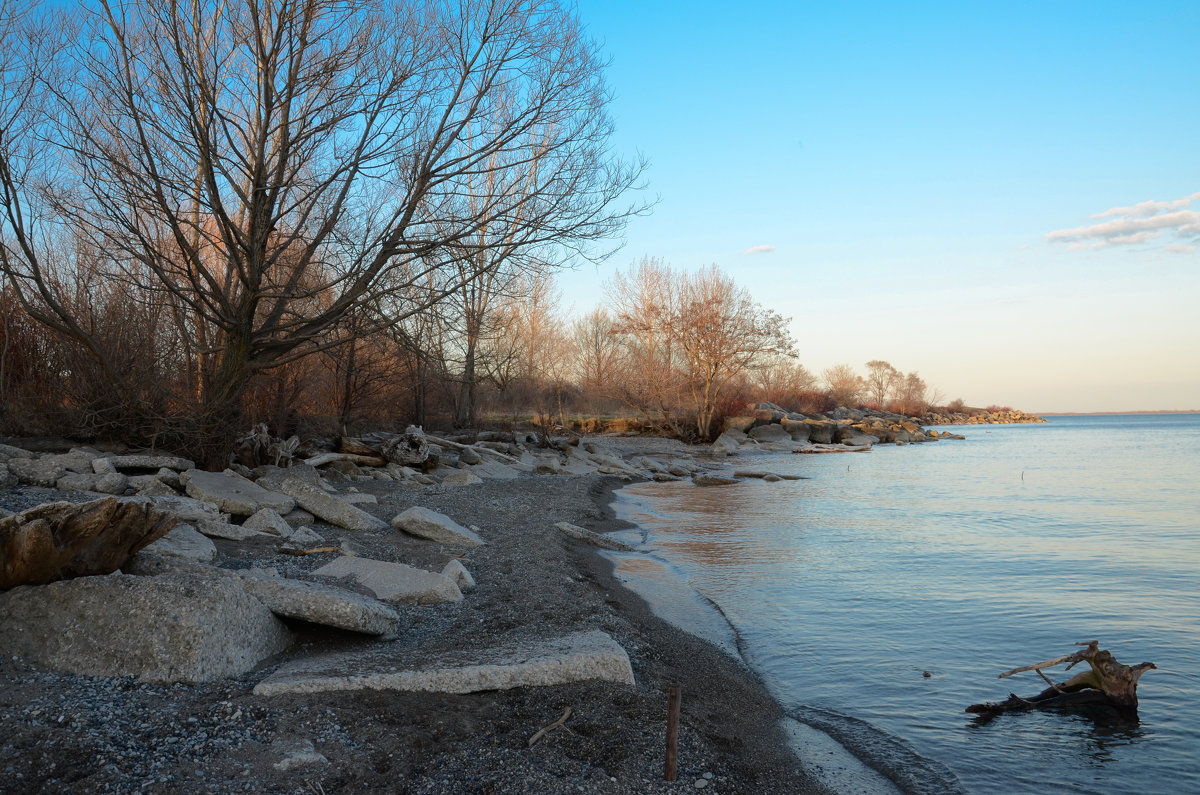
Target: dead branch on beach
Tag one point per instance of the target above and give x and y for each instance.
(558, 724)
(1108, 682)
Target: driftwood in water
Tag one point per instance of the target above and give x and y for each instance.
(1108, 682)
(61, 540)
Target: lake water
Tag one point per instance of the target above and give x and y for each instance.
(963, 559)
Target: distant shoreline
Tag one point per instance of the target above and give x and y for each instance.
(1112, 413)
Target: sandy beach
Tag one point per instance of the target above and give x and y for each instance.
(70, 733)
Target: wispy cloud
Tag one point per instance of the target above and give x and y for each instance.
(1138, 223)
(759, 250)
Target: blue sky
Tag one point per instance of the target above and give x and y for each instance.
(902, 170)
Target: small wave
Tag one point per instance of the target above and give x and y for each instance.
(883, 752)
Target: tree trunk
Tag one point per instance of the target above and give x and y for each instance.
(1108, 683)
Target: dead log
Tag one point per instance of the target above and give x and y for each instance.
(61, 540)
(360, 460)
(1108, 682)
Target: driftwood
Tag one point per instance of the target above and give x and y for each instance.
(1108, 682)
(61, 540)
(558, 724)
(410, 448)
(353, 458)
(259, 447)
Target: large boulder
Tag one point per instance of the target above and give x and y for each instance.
(111, 483)
(394, 582)
(798, 429)
(60, 540)
(233, 493)
(728, 443)
(325, 506)
(577, 657)
(434, 526)
(323, 604)
(590, 537)
(770, 433)
(170, 628)
(821, 431)
(146, 462)
(183, 542)
(7, 479)
(44, 472)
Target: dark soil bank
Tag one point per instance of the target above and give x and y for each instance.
(68, 733)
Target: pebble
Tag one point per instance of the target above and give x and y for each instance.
(701, 783)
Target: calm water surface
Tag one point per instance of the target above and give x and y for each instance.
(964, 559)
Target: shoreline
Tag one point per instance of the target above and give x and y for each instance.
(67, 733)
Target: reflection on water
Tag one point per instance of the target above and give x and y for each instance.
(965, 559)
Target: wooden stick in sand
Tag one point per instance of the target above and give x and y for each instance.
(669, 771)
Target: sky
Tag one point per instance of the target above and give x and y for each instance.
(1003, 197)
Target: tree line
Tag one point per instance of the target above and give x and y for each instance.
(214, 214)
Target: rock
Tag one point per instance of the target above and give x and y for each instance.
(322, 604)
(358, 498)
(740, 424)
(551, 466)
(329, 508)
(7, 479)
(298, 517)
(858, 440)
(103, 465)
(433, 526)
(394, 582)
(150, 462)
(770, 433)
(111, 483)
(577, 657)
(798, 429)
(709, 479)
(820, 431)
(215, 528)
(185, 509)
(164, 629)
(273, 477)
(305, 536)
(299, 755)
(268, 521)
(37, 471)
(728, 443)
(593, 538)
(461, 477)
(156, 488)
(184, 542)
(170, 477)
(8, 452)
(457, 573)
(60, 540)
(233, 493)
(469, 455)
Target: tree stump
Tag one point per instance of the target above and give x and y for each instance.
(61, 540)
(1108, 682)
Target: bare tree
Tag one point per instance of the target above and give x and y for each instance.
(246, 158)
(643, 300)
(597, 353)
(721, 332)
(844, 384)
(881, 379)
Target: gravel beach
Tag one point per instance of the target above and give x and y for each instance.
(70, 733)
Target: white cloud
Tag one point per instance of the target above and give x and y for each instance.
(1139, 223)
(1180, 248)
(759, 250)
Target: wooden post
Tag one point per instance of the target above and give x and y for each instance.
(673, 732)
